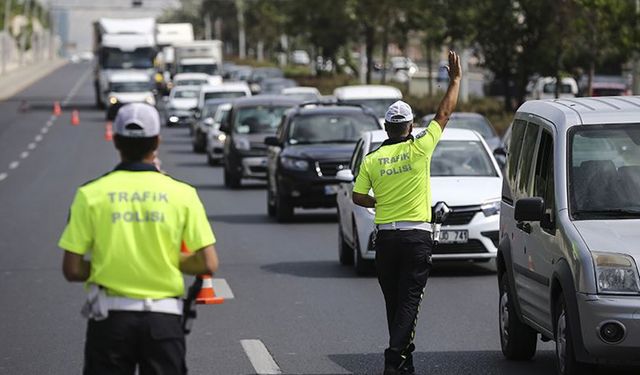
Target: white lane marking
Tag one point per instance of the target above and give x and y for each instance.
(76, 87)
(260, 358)
(222, 289)
(32, 146)
(3, 176)
(52, 119)
(24, 155)
(49, 123)
(44, 130)
(14, 164)
(38, 138)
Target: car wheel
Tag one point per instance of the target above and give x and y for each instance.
(345, 252)
(230, 180)
(284, 209)
(363, 266)
(565, 355)
(198, 144)
(211, 161)
(518, 340)
(271, 206)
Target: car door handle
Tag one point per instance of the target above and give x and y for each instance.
(525, 227)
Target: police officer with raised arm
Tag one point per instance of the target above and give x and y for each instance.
(398, 173)
(132, 222)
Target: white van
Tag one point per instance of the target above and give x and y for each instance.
(376, 97)
(130, 87)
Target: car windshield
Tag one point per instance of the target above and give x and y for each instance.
(190, 82)
(186, 94)
(276, 87)
(258, 119)
(113, 58)
(330, 128)
(221, 114)
(209, 110)
(605, 172)
(224, 94)
(478, 124)
(461, 158)
(130, 86)
(310, 97)
(211, 69)
(550, 88)
(260, 74)
(378, 106)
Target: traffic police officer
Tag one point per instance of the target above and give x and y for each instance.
(132, 222)
(398, 173)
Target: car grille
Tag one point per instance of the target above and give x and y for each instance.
(471, 247)
(460, 216)
(258, 169)
(330, 168)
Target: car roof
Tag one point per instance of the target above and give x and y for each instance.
(367, 92)
(129, 76)
(565, 113)
(191, 76)
(186, 88)
(332, 109)
(226, 86)
(266, 100)
(300, 90)
(447, 135)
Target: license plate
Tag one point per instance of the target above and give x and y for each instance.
(330, 189)
(454, 236)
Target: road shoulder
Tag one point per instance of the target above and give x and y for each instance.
(19, 79)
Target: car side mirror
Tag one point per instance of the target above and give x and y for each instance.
(500, 151)
(529, 209)
(272, 141)
(208, 121)
(345, 175)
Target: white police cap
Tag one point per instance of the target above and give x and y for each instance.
(137, 120)
(398, 112)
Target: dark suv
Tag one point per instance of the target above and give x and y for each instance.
(251, 120)
(314, 141)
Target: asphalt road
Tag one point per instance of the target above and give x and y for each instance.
(312, 315)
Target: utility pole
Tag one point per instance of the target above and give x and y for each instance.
(5, 35)
(242, 47)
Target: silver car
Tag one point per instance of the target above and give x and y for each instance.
(570, 217)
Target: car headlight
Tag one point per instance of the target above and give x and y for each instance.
(221, 137)
(294, 164)
(241, 144)
(616, 273)
(150, 100)
(490, 208)
(174, 119)
(113, 100)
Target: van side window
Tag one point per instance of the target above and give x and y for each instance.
(543, 185)
(515, 144)
(526, 159)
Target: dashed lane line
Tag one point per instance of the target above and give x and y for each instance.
(14, 164)
(24, 155)
(3, 176)
(260, 358)
(44, 130)
(38, 138)
(76, 87)
(32, 146)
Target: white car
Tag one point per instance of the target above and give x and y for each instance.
(216, 138)
(464, 175)
(195, 79)
(130, 87)
(305, 93)
(376, 97)
(181, 100)
(545, 88)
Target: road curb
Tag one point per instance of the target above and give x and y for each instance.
(21, 78)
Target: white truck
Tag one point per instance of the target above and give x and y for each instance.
(168, 35)
(201, 56)
(122, 44)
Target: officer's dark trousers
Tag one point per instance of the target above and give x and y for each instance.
(403, 262)
(152, 341)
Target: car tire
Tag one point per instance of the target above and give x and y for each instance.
(198, 144)
(345, 252)
(518, 340)
(566, 362)
(230, 180)
(284, 209)
(364, 267)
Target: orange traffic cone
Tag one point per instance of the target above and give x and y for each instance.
(75, 118)
(207, 296)
(57, 111)
(108, 131)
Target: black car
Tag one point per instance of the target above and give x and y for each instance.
(250, 121)
(314, 142)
